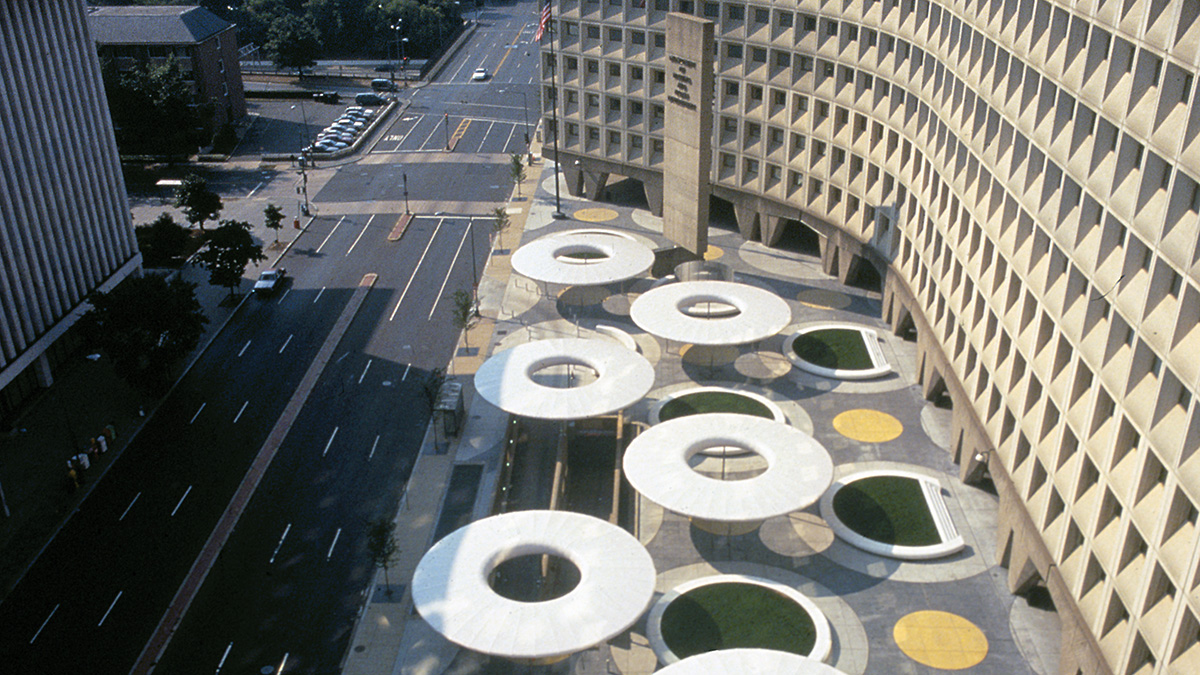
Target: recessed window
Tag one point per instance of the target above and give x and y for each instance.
(660, 40)
(712, 10)
(637, 37)
(733, 51)
(758, 55)
(593, 32)
(736, 13)
(614, 70)
(614, 34)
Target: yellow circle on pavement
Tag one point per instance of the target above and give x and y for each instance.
(940, 640)
(868, 426)
(595, 215)
(820, 298)
(713, 252)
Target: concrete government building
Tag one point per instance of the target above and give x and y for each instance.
(65, 227)
(1022, 179)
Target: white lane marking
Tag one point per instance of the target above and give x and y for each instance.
(280, 544)
(318, 295)
(126, 511)
(450, 270)
(239, 415)
(244, 347)
(286, 342)
(198, 412)
(410, 130)
(260, 184)
(416, 269)
(430, 136)
(223, 657)
(281, 665)
(185, 494)
(40, 628)
(331, 437)
(364, 372)
(335, 227)
(360, 234)
(483, 143)
(511, 133)
(285, 292)
(110, 608)
(335, 538)
(405, 375)
(373, 446)
(343, 356)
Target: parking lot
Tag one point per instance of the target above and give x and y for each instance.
(286, 126)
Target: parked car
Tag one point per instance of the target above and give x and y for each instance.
(327, 97)
(480, 74)
(269, 281)
(380, 84)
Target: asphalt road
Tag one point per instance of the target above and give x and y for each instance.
(285, 590)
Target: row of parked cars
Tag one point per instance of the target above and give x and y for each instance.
(343, 131)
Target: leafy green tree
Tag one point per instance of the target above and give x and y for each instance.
(162, 242)
(500, 221)
(273, 216)
(463, 312)
(516, 171)
(382, 546)
(197, 201)
(227, 251)
(145, 325)
(155, 110)
(293, 42)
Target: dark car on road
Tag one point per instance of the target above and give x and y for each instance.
(327, 97)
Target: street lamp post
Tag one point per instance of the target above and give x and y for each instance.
(304, 158)
(396, 27)
(405, 175)
(404, 60)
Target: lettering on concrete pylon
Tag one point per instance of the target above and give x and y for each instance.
(688, 138)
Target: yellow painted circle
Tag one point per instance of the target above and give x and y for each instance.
(820, 298)
(868, 426)
(713, 252)
(595, 215)
(940, 640)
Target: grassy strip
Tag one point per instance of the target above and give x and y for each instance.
(712, 402)
(887, 509)
(836, 348)
(732, 615)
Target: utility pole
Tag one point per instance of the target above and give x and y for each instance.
(446, 119)
(406, 211)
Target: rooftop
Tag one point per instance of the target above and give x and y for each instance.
(165, 25)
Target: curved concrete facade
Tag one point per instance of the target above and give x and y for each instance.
(1025, 176)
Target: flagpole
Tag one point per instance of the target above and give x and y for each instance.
(558, 212)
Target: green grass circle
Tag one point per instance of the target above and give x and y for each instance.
(834, 348)
(888, 509)
(700, 402)
(736, 615)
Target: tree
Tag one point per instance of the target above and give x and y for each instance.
(382, 546)
(162, 242)
(293, 42)
(274, 219)
(155, 110)
(516, 170)
(464, 310)
(227, 251)
(433, 385)
(197, 201)
(145, 325)
(500, 222)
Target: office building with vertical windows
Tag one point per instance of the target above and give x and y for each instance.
(1021, 178)
(65, 228)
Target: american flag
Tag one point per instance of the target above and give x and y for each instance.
(544, 23)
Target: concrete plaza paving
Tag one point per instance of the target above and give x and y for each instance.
(887, 616)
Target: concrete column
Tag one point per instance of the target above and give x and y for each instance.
(42, 368)
(573, 177)
(829, 257)
(747, 220)
(654, 196)
(772, 228)
(593, 183)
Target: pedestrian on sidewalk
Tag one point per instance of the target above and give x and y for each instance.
(72, 479)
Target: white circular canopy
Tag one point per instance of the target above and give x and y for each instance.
(749, 661)
(450, 586)
(799, 468)
(623, 378)
(583, 257)
(710, 312)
